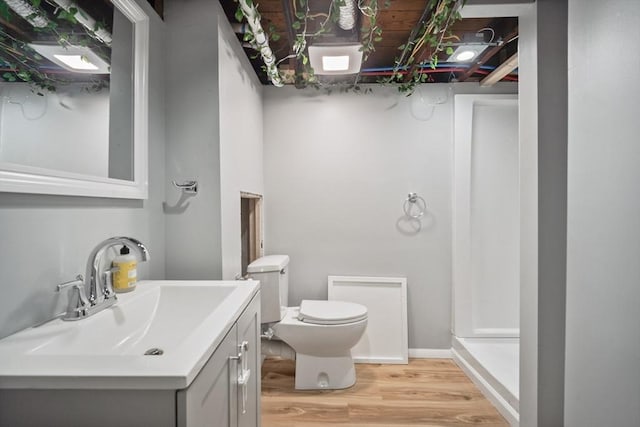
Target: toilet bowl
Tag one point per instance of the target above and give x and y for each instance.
(323, 343)
(321, 333)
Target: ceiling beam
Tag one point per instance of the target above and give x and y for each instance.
(294, 64)
(426, 13)
(158, 5)
(488, 54)
(16, 29)
(499, 73)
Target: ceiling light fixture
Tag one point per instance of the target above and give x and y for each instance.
(335, 63)
(335, 59)
(77, 62)
(467, 52)
(79, 59)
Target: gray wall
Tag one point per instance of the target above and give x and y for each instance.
(45, 240)
(602, 382)
(240, 142)
(337, 171)
(552, 208)
(121, 101)
(528, 108)
(193, 224)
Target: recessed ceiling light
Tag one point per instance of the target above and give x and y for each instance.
(335, 59)
(79, 59)
(465, 55)
(335, 63)
(467, 52)
(77, 62)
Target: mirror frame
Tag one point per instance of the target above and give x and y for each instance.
(16, 178)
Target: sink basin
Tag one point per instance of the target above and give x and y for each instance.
(186, 320)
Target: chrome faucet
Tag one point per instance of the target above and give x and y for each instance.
(100, 290)
(96, 294)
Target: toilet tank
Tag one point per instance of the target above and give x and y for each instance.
(273, 273)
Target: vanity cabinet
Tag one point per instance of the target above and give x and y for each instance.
(226, 392)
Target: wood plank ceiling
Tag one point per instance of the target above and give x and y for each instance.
(20, 63)
(397, 23)
(16, 32)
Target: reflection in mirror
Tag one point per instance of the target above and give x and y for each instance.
(66, 87)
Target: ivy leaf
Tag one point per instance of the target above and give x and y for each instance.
(67, 16)
(24, 76)
(239, 15)
(36, 3)
(449, 50)
(296, 25)
(275, 37)
(4, 11)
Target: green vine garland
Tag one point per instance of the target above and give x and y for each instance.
(433, 37)
(23, 63)
(371, 33)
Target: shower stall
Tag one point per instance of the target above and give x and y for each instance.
(486, 240)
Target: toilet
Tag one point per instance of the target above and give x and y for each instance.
(321, 333)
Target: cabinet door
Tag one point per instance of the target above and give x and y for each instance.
(248, 326)
(210, 400)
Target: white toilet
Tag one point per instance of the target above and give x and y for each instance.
(321, 333)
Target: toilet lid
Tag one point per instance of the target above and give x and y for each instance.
(331, 312)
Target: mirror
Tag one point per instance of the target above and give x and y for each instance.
(73, 97)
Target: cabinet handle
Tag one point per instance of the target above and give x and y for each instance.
(243, 372)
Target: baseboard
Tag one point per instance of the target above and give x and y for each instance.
(381, 360)
(430, 353)
(505, 409)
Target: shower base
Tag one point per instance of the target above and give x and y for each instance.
(493, 365)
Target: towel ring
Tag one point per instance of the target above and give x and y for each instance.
(414, 200)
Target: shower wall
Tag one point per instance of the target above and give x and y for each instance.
(486, 217)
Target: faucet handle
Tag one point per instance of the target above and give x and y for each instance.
(75, 283)
(79, 285)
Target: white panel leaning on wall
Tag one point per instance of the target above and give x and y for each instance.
(386, 338)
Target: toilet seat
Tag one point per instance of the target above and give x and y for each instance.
(322, 312)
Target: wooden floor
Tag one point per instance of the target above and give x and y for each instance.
(427, 392)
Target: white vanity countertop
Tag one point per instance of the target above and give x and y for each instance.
(186, 319)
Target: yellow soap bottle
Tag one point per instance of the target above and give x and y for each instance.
(126, 273)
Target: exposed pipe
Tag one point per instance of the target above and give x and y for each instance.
(239, 27)
(262, 42)
(28, 12)
(428, 70)
(277, 348)
(86, 21)
(347, 16)
(439, 65)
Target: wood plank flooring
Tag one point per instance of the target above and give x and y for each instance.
(427, 392)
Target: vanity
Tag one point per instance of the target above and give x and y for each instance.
(172, 353)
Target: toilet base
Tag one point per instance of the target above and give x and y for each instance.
(324, 373)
